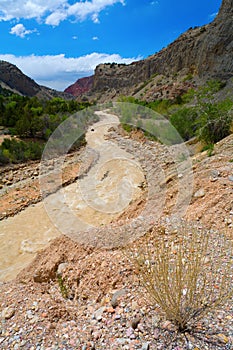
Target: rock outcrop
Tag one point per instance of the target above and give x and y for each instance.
(202, 52)
(81, 86)
(13, 79)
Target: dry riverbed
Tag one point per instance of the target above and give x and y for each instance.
(104, 305)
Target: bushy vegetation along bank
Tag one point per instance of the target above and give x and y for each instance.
(33, 121)
(196, 113)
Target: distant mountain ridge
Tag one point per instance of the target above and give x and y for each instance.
(81, 86)
(13, 79)
(199, 54)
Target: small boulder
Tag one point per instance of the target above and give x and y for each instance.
(8, 312)
(200, 193)
(135, 322)
(61, 268)
(116, 296)
(98, 314)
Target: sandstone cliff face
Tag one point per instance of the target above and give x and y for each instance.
(205, 52)
(80, 86)
(12, 78)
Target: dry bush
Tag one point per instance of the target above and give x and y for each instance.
(187, 272)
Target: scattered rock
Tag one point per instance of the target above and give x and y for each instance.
(34, 319)
(156, 320)
(96, 335)
(98, 314)
(122, 341)
(110, 310)
(200, 193)
(222, 338)
(61, 268)
(117, 317)
(116, 296)
(214, 173)
(8, 312)
(129, 332)
(167, 325)
(135, 322)
(145, 346)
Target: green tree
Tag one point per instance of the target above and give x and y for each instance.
(184, 120)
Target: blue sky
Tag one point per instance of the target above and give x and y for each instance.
(56, 42)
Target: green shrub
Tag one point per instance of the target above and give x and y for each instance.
(127, 127)
(14, 151)
(207, 119)
(211, 121)
(214, 121)
(62, 287)
(184, 121)
(3, 157)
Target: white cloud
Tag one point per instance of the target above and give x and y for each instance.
(21, 31)
(95, 38)
(16, 9)
(58, 72)
(55, 18)
(95, 18)
(52, 12)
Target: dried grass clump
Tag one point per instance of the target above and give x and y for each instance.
(187, 272)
